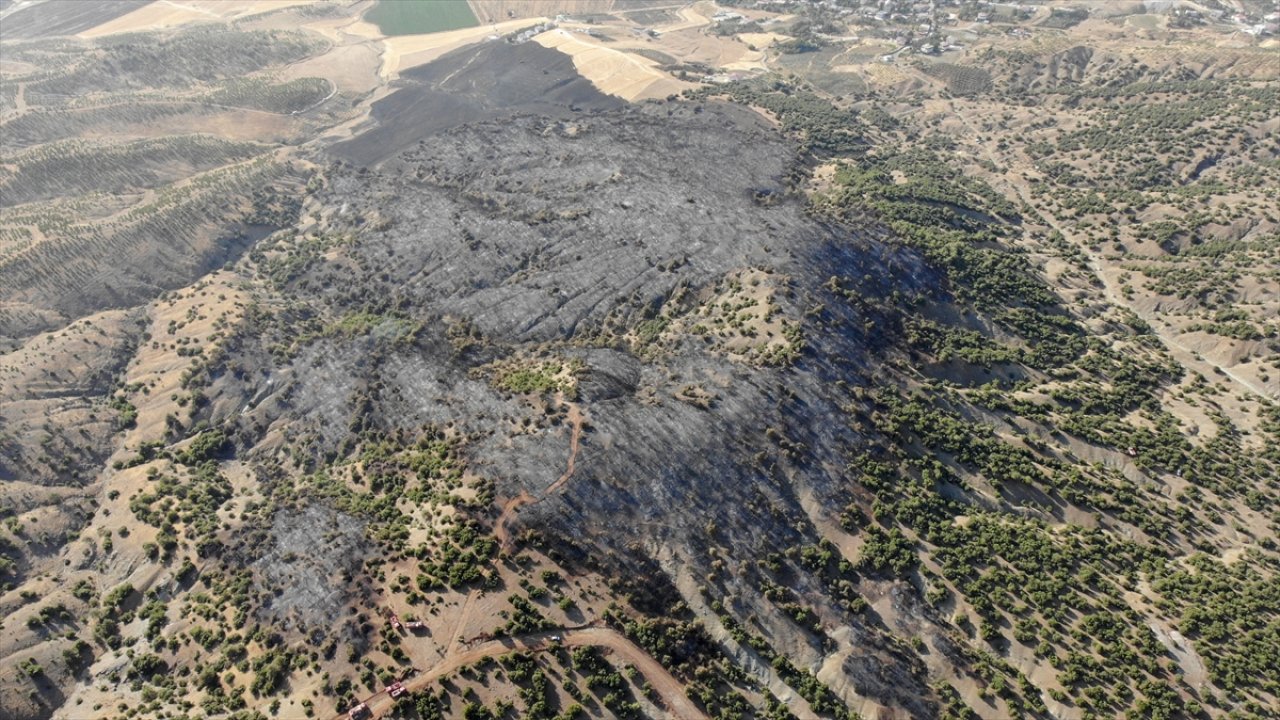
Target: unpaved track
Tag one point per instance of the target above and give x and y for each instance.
(575, 437)
(667, 686)
(1167, 334)
(509, 509)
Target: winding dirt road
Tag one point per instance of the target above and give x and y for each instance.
(509, 509)
(669, 689)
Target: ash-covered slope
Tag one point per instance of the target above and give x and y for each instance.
(600, 241)
(495, 80)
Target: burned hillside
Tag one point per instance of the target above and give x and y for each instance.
(476, 374)
(586, 242)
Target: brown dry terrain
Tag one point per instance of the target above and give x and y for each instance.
(164, 14)
(669, 689)
(625, 75)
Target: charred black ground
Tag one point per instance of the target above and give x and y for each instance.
(557, 236)
(496, 80)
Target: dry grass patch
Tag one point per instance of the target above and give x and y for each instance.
(621, 74)
(164, 14)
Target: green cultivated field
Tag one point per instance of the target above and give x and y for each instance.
(417, 17)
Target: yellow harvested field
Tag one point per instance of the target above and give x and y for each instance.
(881, 74)
(691, 45)
(230, 124)
(169, 13)
(762, 39)
(617, 73)
(745, 65)
(234, 9)
(691, 17)
(353, 68)
(156, 16)
(406, 51)
(345, 29)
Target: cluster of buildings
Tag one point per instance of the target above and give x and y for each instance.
(919, 26)
(1266, 25)
(1270, 24)
(724, 16)
(530, 33)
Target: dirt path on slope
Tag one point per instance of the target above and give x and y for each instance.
(667, 686)
(509, 509)
(575, 437)
(1167, 334)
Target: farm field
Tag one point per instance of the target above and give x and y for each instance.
(491, 11)
(419, 17)
(408, 51)
(622, 74)
(64, 17)
(160, 14)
